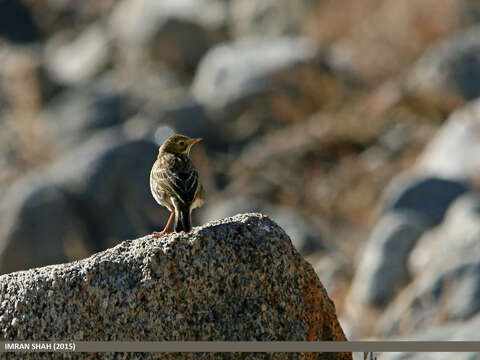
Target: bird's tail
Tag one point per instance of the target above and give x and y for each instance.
(183, 221)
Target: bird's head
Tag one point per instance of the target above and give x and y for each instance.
(178, 144)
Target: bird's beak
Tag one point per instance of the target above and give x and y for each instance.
(193, 142)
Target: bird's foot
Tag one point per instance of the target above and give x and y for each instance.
(158, 234)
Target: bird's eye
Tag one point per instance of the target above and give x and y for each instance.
(182, 143)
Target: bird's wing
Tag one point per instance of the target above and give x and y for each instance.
(183, 184)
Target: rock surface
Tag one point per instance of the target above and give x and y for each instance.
(306, 238)
(235, 279)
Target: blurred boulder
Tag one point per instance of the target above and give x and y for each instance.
(454, 152)
(232, 72)
(448, 72)
(175, 32)
(445, 266)
(16, 23)
(268, 17)
(456, 331)
(334, 270)
(305, 236)
(188, 117)
(40, 225)
(455, 240)
(382, 269)
(93, 197)
(72, 61)
(55, 16)
(433, 298)
(78, 112)
(109, 177)
(427, 195)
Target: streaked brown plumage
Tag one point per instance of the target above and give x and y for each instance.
(174, 182)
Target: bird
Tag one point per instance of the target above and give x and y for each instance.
(174, 182)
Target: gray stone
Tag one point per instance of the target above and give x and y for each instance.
(110, 184)
(175, 32)
(454, 152)
(382, 269)
(427, 195)
(39, 226)
(449, 69)
(456, 331)
(97, 201)
(76, 113)
(188, 117)
(232, 72)
(16, 23)
(433, 298)
(235, 279)
(455, 240)
(72, 61)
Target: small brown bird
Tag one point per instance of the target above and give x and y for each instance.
(174, 182)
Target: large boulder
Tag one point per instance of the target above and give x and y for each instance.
(235, 279)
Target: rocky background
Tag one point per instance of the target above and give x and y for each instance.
(354, 125)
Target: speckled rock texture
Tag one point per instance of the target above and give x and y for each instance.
(234, 279)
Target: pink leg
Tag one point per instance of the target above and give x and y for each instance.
(164, 231)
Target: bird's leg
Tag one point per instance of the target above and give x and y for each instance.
(164, 231)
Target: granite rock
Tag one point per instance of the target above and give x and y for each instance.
(235, 279)
(306, 237)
